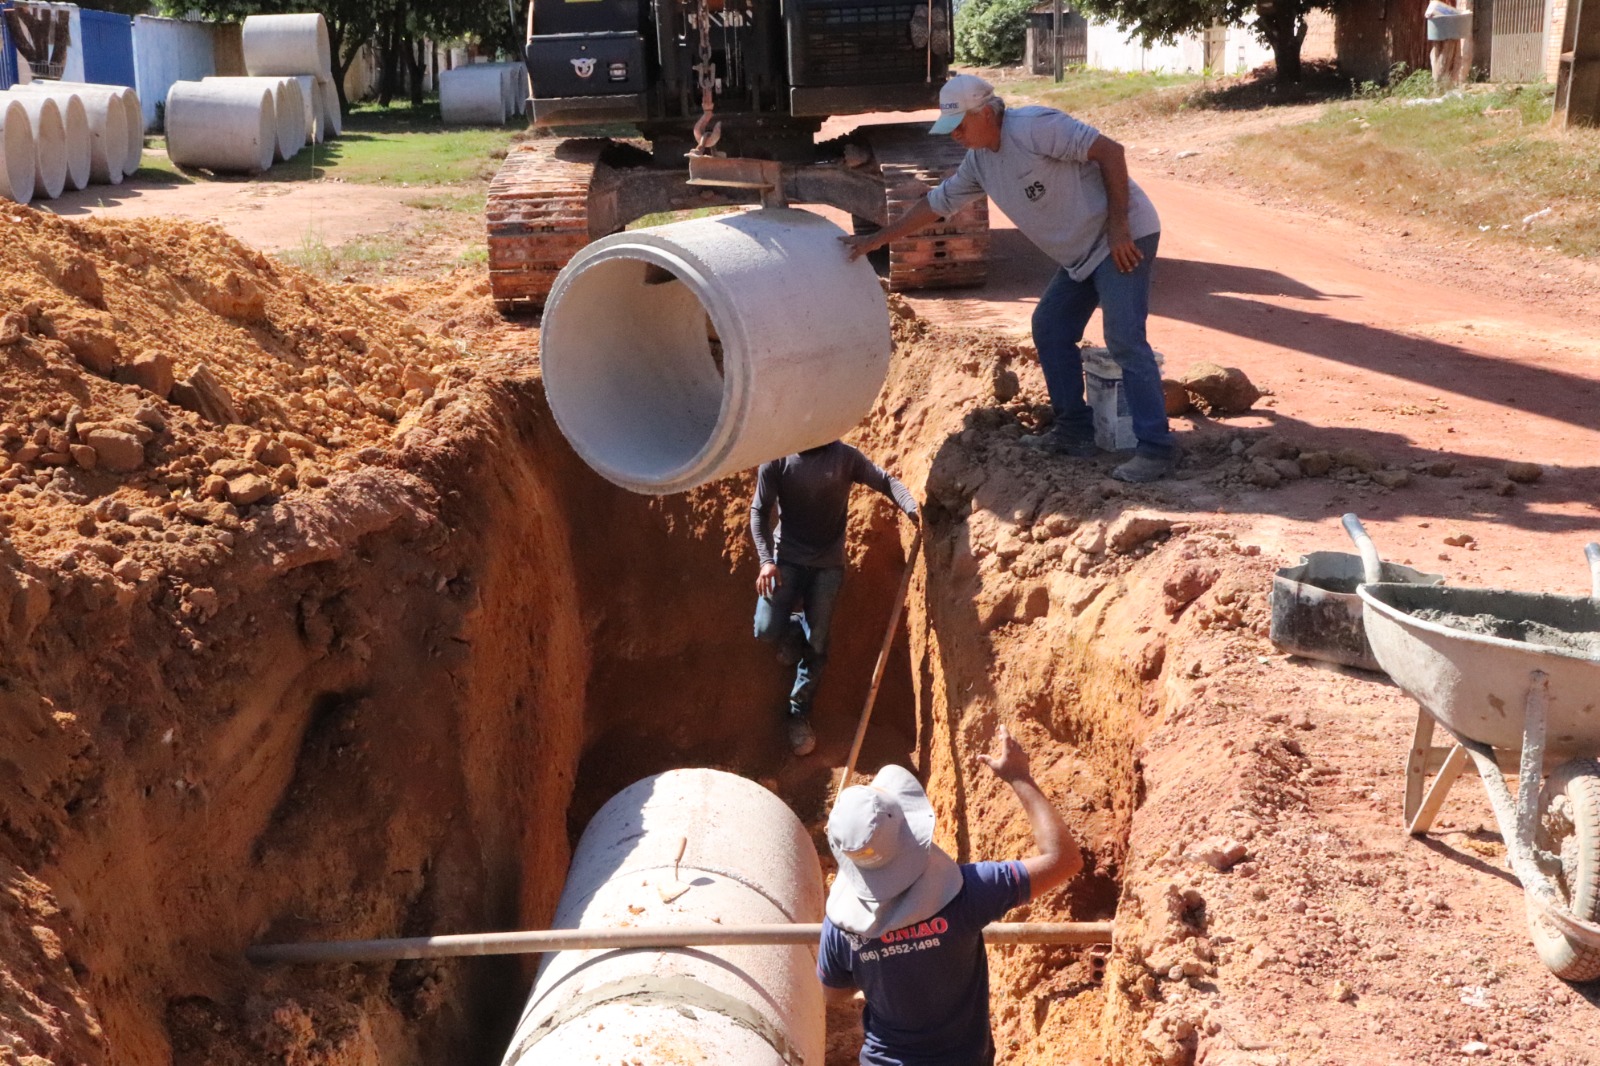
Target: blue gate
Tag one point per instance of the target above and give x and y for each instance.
(8, 55)
(107, 48)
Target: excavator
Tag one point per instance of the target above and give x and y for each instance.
(674, 105)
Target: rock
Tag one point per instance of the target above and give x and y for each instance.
(12, 327)
(1133, 529)
(1505, 487)
(1315, 464)
(114, 450)
(1524, 473)
(1263, 475)
(236, 297)
(1288, 469)
(1177, 397)
(84, 455)
(1005, 384)
(1392, 479)
(79, 276)
(1460, 540)
(1341, 992)
(1442, 467)
(1356, 459)
(247, 489)
(145, 519)
(128, 570)
(94, 350)
(1218, 853)
(150, 370)
(1270, 447)
(1184, 587)
(1478, 482)
(206, 396)
(1219, 390)
(1091, 538)
(1475, 1049)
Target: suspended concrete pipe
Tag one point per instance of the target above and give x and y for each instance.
(17, 164)
(49, 144)
(746, 859)
(474, 95)
(223, 124)
(277, 45)
(289, 134)
(108, 129)
(132, 112)
(680, 354)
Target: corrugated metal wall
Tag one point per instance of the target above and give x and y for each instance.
(107, 48)
(1516, 49)
(8, 55)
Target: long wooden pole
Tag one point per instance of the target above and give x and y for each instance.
(533, 942)
(883, 660)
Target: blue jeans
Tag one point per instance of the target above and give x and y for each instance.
(1124, 301)
(814, 590)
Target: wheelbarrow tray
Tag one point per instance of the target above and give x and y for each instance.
(1475, 684)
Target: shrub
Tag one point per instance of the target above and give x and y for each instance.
(991, 32)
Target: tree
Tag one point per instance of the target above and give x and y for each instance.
(1281, 24)
(992, 32)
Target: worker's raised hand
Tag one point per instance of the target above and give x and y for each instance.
(1009, 762)
(769, 580)
(859, 244)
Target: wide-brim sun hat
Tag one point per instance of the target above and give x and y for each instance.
(891, 873)
(961, 94)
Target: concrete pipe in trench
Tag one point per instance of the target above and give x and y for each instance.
(108, 128)
(747, 860)
(286, 45)
(225, 124)
(680, 354)
(17, 164)
(288, 110)
(49, 143)
(132, 126)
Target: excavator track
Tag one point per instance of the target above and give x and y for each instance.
(950, 254)
(538, 216)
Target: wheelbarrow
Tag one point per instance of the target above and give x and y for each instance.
(1514, 678)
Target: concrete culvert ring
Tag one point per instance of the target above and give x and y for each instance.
(16, 153)
(636, 322)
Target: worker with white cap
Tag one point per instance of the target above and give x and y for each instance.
(905, 922)
(1066, 187)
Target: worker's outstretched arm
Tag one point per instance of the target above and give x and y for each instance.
(1059, 859)
(918, 216)
(761, 505)
(875, 477)
(1114, 172)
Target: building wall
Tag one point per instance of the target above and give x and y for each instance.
(1556, 27)
(167, 51)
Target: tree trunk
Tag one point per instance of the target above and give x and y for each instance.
(389, 45)
(417, 61)
(1283, 29)
(341, 62)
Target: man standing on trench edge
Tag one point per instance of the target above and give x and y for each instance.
(802, 563)
(905, 923)
(1067, 189)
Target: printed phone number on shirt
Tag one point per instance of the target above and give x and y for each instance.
(899, 949)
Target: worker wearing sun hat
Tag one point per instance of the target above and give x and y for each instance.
(1066, 187)
(905, 922)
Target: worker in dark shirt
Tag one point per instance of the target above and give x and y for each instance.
(803, 559)
(905, 923)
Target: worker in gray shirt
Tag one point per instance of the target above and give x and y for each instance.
(803, 559)
(1067, 189)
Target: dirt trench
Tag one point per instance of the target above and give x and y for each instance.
(387, 700)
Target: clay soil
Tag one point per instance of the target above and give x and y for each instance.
(358, 653)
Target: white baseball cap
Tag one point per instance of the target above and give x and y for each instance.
(891, 873)
(960, 94)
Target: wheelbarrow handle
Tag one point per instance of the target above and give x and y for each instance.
(1371, 565)
(1592, 550)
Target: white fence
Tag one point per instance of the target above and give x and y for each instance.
(166, 51)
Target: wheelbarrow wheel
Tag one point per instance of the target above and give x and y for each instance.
(1569, 826)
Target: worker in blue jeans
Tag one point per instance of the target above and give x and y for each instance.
(1067, 188)
(803, 560)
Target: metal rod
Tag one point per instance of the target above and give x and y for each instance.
(1371, 565)
(883, 660)
(1592, 552)
(532, 942)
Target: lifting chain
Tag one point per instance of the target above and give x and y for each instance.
(705, 134)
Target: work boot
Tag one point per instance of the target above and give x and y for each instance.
(802, 738)
(1052, 442)
(1143, 468)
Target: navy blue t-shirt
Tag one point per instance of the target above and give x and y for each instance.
(927, 986)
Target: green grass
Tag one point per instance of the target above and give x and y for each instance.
(661, 218)
(318, 257)
(1480, 163)
(1086, 90)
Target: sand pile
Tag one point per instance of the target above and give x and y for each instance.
(161, 380)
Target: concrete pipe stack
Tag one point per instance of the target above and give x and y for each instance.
(17, 157)
(295, 46)
(289, 110)
(101, 125)
(476, 95)
(49, 143)
(227, 125)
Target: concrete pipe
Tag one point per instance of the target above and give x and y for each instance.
(746, 859)
(107, 119)
(680, 354)
(289, 135)
(473, 95)
(17, 164)
(286, 45)
(311, 97)
(332, 116)
(132, 113)
(49, 143)
(223, 124)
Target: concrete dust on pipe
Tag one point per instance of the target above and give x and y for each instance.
(17, 164)
(132, 114)
(222, 125)
(286, 45)
(49, 143)
(683, 353)
(748, 860)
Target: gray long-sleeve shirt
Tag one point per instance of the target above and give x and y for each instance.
(1045, 182)
(811, 491)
